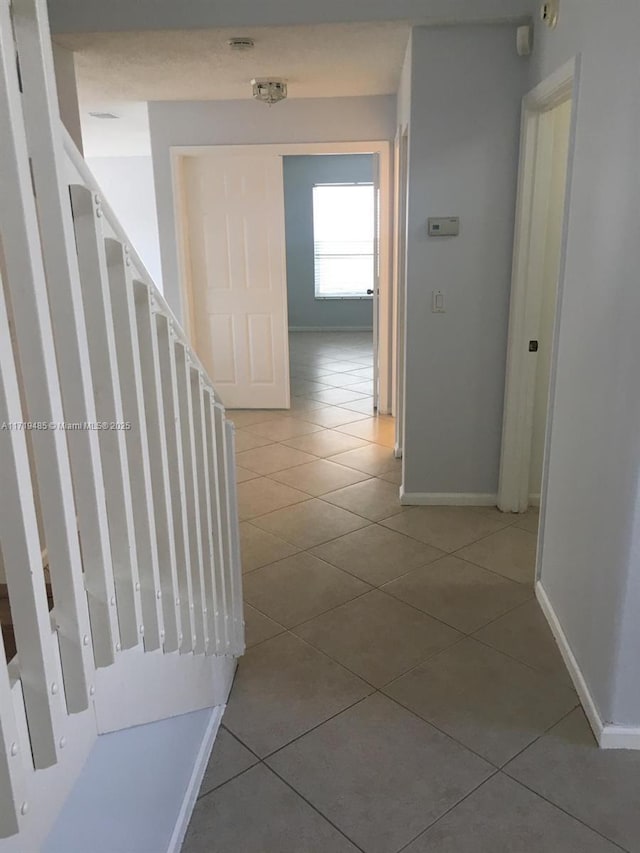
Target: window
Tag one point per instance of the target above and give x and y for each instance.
(343, 237)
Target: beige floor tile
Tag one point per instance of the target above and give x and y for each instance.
(528, 520)
(342, 366)
(299, 588)
(332, 416)
(377, 554)
(510, 552)
(342, 380)
(381, 430)
(337, 396)
(242, 475)
(459, 593)
(365, 406)
(301, 407)
(312, 372)
(228, 759)
(259, 548)
(374, 499)
(502, 815)
(305, 387)
(377, 637)
(258, 627)
(310, 523)
(245, 417)
(247, 441)
(392, 476)
(379, 773)
(283, 428)
(372, 459)
(491, 703)
(261, 496)
(365, 386)
(525, 634)
(319, 477)
(274, 457)
(283, 688)
(363, 372)
(258, 813)
(600, 787)
(328, 442)
(444, 527)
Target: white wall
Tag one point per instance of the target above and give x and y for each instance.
(175, 123)
(127, 184)
(591, 558)
(561, 118)
(466, 88)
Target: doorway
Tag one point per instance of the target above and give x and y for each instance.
(330, 227)
(241, 331)
(545, 158)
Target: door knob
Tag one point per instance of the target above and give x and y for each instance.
(369, 292)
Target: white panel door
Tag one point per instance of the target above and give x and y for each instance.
(235, 242)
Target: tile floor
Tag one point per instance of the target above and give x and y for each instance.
(401, 690)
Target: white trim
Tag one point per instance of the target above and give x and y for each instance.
(446, 498)
(330, 329)
(534, 500)
(608, 735)
(620, 737)
(524, 319)
(383, 148)
(193, 788)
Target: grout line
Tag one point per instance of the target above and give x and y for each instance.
(449, 810)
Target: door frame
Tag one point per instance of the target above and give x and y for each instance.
(528, 257)
(385, 296)
(401, 199)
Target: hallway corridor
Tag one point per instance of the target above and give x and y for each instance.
(401, 690)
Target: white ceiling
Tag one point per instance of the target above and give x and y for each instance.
(328, 60)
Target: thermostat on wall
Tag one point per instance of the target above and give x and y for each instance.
(444, 226)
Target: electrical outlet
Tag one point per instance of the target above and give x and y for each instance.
(437, 302)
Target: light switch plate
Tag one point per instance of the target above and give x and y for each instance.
(444, 226)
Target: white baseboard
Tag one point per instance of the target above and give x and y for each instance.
(446, 498)
(608, 735)
(191, 794)
(330, 328)
(397, 451)
(534, 500)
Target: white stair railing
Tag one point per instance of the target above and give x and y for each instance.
(126, 457)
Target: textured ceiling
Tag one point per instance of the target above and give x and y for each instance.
(329, 60)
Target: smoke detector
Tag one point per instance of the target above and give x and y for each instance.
(269, 91)
(241, 43)
(549, 13)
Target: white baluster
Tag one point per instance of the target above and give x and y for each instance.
(27, 287)
(159, 462)
(104, 369)
(173, 433)
(128, 357)
(44, 141)
(183, 374)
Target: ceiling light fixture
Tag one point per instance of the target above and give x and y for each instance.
(269, 91)
(241, 43)
(103, 115)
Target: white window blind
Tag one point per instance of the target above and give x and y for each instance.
(343, 234)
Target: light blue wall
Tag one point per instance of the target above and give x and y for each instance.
(130, 792)
(300, 174)
(463, 161)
